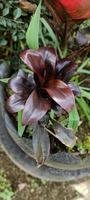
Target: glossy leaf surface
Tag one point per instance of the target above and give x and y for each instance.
(35, 108)
(65, 135)
(32, 34)
(61, 94)
(15, 103)
(36, 60)
(41, 144)
(65, 69)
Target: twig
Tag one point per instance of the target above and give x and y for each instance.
(79, 52)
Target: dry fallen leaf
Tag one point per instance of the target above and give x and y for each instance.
(21, 186)
(27, 6)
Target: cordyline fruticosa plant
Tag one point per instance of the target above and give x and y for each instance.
(48, 87)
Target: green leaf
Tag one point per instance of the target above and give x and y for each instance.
(32, 34)
(85, 94)
(5, 11)
(51, 32)
(84, 88)
(85, 107)
(1, 6)
(6, 194)
(52, 35)
(73, 119)
(3, 42)
(4, 80)
(84, 71)
(21, 128)
(3, 21)
(17, 13)
(84, 64)
(52, 114)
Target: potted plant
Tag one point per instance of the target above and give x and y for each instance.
(38, 115)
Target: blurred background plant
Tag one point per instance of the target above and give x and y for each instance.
(6, 191)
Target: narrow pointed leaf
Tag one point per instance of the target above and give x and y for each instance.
(21, 128)
(85, 93)
(65, 135)
(85, 107)
(32, 34)
(74, 119)
(52, 35)
(41, 144)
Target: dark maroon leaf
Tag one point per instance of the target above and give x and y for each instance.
(22, 84)
(15, 103)
(49, 72)
(59, 111)
(16, 82)
(75, 89)
(41, 144)
(35, 108)
(61, 94)
(44, 89)
(50, 56)
(65, 135)
(65, 69)
(35, 60)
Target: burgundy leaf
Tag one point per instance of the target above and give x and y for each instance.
(49, 72)
(17, 81)
(35, 108)
(35, 60)
(15, 103)
(61, 94)
(65, 69)
(75, 89)
(65, 135)
(50, 56)
(22, 84)
(41, 144)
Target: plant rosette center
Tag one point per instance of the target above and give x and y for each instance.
(48, 88)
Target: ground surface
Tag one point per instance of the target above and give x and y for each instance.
(26, 187)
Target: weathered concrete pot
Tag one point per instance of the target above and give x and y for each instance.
(59, 167)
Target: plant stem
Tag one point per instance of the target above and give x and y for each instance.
(79, 52)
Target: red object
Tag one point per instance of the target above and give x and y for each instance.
(76, 9)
